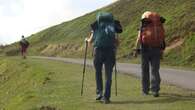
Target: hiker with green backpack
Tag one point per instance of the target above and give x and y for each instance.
(23, 46)
(151, 44)
(105, 41)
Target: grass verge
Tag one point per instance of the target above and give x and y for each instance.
(35, 84)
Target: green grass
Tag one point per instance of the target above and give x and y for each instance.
(33, 83)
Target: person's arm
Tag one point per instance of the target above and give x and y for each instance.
(137, 44)
(163, 47)
(90, 39)
(117, 42)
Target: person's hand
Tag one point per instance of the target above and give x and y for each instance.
(161, 54)
(135, 53)
(86, 40)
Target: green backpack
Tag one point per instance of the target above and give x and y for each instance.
(24, 43)
(104, 33)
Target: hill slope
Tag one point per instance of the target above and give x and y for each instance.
(66, 39)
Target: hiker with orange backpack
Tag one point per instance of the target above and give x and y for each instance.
(23, 46)
(151, 44)
(105, 41)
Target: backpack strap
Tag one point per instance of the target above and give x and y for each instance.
(162, 20)
(94, 25)
(118, 26)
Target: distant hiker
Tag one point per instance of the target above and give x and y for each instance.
(151, 40)
(23, 46)
(105, 41)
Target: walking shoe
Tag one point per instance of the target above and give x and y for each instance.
(105, 100)
(155, 94)
(145, 93)
(99, 97)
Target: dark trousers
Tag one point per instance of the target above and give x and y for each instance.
(150, 59)
(106, 57)
(23, 51)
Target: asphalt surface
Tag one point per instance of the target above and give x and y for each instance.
(181, 78)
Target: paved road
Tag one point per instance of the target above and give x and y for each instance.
(181, 78)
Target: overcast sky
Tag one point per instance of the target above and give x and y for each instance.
(25, 17)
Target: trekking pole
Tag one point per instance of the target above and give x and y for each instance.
(85, 56)
(115, 74)
(115, 79)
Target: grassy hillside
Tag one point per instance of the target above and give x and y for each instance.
(67, 39)
(34, 84)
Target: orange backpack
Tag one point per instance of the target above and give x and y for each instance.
(152, 31)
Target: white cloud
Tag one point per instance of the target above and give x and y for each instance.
(10, 7)
(25, 17)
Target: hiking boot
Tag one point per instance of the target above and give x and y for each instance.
(155, 94)
(99, 97)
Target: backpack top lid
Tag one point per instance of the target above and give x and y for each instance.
(105, 23)
(117, 25)
(153, 17)
(150, 14)
(104, 17)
